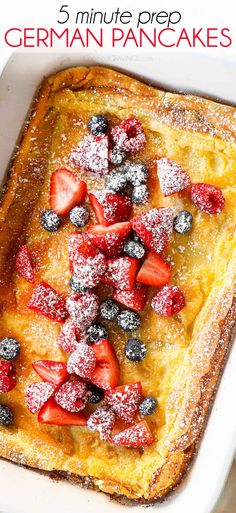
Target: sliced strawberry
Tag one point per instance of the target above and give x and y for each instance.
(103, 421)
(23, 264)
(129, 135)
(171, 176)
(51, 371)
(82, 361)
(136, 436)
(92, 154)
(135, 298)
(168, 301)
(37, 394)
(107, 369)
(72, 396)
(66, 191)
(121, 272)
(68, 337)
(46, 301)
(125, 400)
(207, 198)
(83, 308)
(109, 239)
(53, 413)
(154, 271)
(80, 244)
(155, 227)
(7, 376)
(110, 207)
(89, 270)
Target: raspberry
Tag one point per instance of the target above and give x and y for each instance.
(82, 308)
(72, 396)
(67, 340)
(207, 198)
(102, 420)
(129, 135)
(37, 394)
(89, 270)
(171, 176)
(168, 301)
(82, 361)
(7, 376)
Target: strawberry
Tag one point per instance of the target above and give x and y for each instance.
(154, 271)
(47, 302)
(135, 298)
(72, 396)
(66, 191)
(154, 227)
(51, 371)
(53, 413)
(89, 270)
(92, 154)
(138, 435)
(107, 369)
(171, 176)
(80, 244)
(121, 272)
(125, 400)
(82, 361)
(110, 207)
(168, 301)
(83, 308)
(102, 420)
(207, 198)
(7, 376)
(37, 394)
(109, 239)
(68, 337)
(23, 264)
(129, 135)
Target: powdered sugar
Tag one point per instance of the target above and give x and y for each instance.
(72, 396)
(68, 337)
(83, 308)
(89, 270)
(102, 420)
(171, 176)
(82, 361)
(92, 154)
(37, 394)
(125, 400)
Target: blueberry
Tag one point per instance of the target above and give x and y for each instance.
(75, 285)
(183, 222)
(109, 309)
(116, 156)
(116, 181)
(137, 174)
(140, 194)
(134, 249)
(9, 348)
(135, 350)
(6, 415)
(134, 236)
(95, 394)
(128, 320)
(79, 216)
(98, 124)
(50, 221)
(148, 405)
(95, 332)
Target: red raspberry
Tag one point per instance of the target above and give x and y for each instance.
(37, 394)
(171, 176)
(89, 270)
(129, 135)
(102, 420)
(72, 396)
(124, 400)
(82, 361)
(83, 308)
(67, 339)
(168, 301)
(207, 198)
(7, 376)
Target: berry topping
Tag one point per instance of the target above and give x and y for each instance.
(79, 244)
(37, 394)
(110, 239)
(89, 270)
(7, 377)
(51, 371)
(50, 221)
(98, 124)
(95, 394)
(140, 194)
(67, 338)
(6, 415)
(135, 350)
(128, 320)
(136, 173)
(82, 361)
(107, 370)
(95, 332)
(168, 301)
(154, 227)
(92, 154)
(109, 309)
(76, 286)
(134, 249)
(102, 420)
(53, 413)
(9, 348)
(121, 273)
(207, 198)
(135, 298)
(66, 191)
(79, 216)
(116, 181)
(171, 176)
(46, 301)
(129, 135)
(183, 222)
(125, 400)
(72, 396)
(82, 308)
(110, 207)
(154, 271)
(148, 405)
(23, 264)
(136, 436)
(116, 156)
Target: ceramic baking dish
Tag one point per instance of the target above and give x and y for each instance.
(203, 485)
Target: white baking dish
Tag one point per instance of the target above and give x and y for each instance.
(26, 491)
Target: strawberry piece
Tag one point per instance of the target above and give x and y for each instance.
(37, 394)
(154, 271)
(83, 308)
(51, 371)
(109, 239)
(67, 338)
(135, 299)
(207, 198)
(103, 421)
(66, 191)
(168, 301)
(171, 176)
(110, 207)
(72, 396)
(129, 135)
(136, 436)
(7, 376)
(46, 301)
(121, 272)
(125, 400)
(107, 369)
(23, 264)
(53, 413)
(155, 227)
(80, 244)
(89, 270)
(92, 154)
(82, 361)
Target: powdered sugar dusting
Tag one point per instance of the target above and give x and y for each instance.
(72, 396)
(37, 394)
(82, 361)
(171, 176)
(92, 154)
(102, 420)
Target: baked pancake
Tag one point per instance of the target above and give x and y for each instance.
(164, 336)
